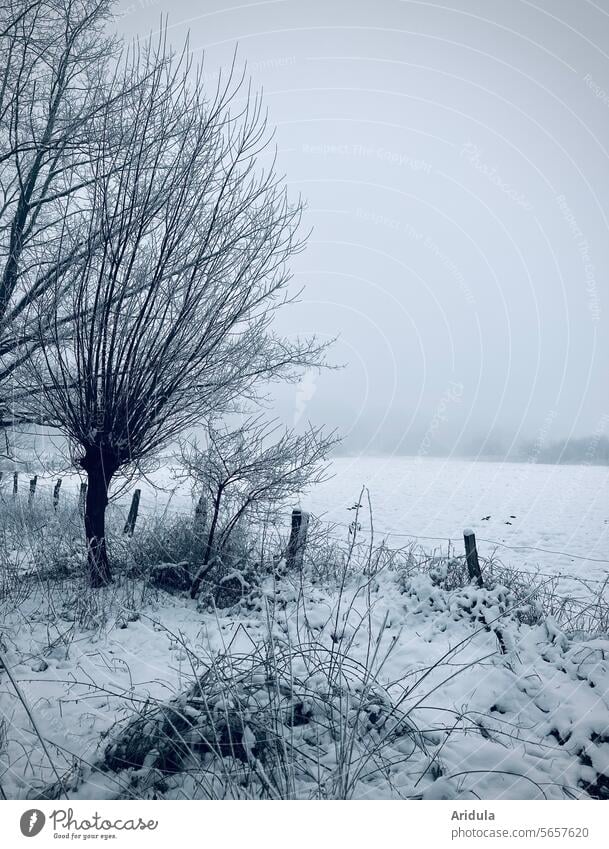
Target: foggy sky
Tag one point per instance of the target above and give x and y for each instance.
(454, 159)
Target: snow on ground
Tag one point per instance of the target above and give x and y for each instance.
(558, 508)
(529, 720)
(522, 712)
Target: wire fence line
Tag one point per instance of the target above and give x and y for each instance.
(152, 504)
(529, 572)
(408, 535)
(378, 532)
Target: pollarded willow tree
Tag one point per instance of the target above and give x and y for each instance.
(172, 314)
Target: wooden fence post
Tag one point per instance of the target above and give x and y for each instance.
(198, 527)
(201, 512)
(132, 517)
(298, 539)
(32, 492)
(15, 483)
(471, 556)
(56, 489)
(82, 498)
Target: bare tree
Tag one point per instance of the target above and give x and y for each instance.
(54, 57)
(251, 471)
(172, 312)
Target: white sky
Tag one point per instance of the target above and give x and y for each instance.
(455, 163)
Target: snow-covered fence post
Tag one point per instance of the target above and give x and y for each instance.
(82, 499)
(32, 493)
(471, 556)
(56, 489)
(15, 484)
(132, 517)
(298, 539)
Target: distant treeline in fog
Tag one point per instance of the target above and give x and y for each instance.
(33, 449)
(586, 449)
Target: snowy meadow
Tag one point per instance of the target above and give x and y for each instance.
(554, 518)
(549, 518)
(222, 268)
(376, 669)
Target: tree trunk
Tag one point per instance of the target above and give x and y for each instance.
(95, 525)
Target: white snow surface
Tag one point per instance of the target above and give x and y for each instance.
(562, 511)
(529, 723)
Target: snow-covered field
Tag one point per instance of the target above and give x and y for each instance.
(562, 509)
(403, 682)
(559, 508)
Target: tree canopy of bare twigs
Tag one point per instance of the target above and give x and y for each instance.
(251, 471)
(183, 265)
(54, 61)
